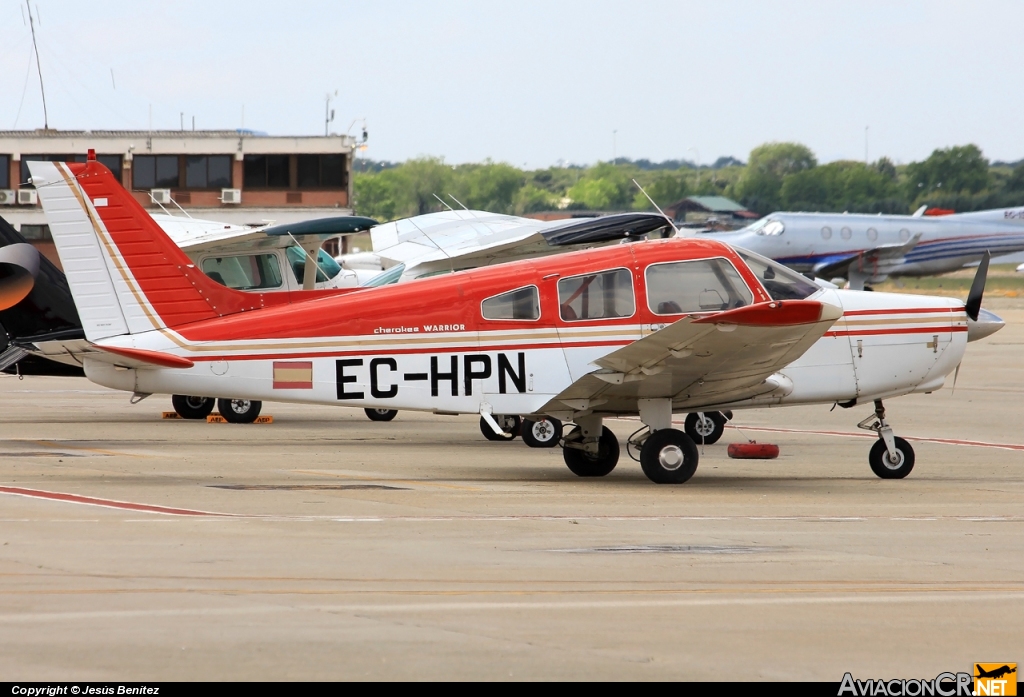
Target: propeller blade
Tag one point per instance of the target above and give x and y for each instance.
(956, 375)
(973, 304)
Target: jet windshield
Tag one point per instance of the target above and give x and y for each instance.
(767, 227)
(780, 282)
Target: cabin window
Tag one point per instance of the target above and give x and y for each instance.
(846, 233)
(872, 234)
(522, 303)
(705, 285)
(602, 295)
(826, 233)
(245, 272)
(904, 234)
(781, 282)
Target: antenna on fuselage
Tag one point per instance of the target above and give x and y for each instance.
(451, 264)
(658, 208)
(441, 201)
(458, 202)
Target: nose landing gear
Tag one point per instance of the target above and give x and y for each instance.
(891, 457)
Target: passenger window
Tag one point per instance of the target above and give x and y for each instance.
(245, 272)
(707, 285)
(872, 234)
(826, 233)
(522, 303)
(846, 233)
(596, 296)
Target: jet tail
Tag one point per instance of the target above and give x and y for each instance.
(125, 273)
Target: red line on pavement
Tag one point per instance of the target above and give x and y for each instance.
(106, 503)
(945, 441)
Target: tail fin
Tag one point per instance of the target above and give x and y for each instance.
(126, 275)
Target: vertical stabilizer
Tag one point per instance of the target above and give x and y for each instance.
(126, 275)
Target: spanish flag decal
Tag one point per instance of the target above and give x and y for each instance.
(293, 375)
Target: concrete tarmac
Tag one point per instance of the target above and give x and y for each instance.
(325, 546)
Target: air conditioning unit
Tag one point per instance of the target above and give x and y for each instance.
(28, 197)
(160, 196)
(7, 197)
(231, 196)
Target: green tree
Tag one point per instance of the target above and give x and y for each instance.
(665, 188)
(603, 187)
(424, 177)
(760, 187)
(490, 186)
(961, 169)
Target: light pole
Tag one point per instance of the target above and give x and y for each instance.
(328, 111)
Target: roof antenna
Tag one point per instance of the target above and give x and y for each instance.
(670, 221)
(458, 202)
(39, 68)
(451, 264)
(441, 201)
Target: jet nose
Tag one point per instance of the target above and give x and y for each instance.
(988, 323)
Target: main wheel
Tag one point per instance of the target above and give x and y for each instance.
(584, 464)
(887, 468)
(705, 430)
(669, 456)
(509, 423)
(189, 407)
(543, 432)
(239, 411)
(381, 414)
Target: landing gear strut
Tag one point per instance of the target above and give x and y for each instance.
(891, 457)
(667, 455)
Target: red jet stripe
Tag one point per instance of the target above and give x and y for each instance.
(327, 353)
(106, 503)
(908, 311)
(915, 330)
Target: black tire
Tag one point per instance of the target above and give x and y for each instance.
(880, 464)
(189, 407)
(700, 433)
(542, 432)
(583, 464)
(239, 411)
(510, 422)
(669, 456)
(381, 414)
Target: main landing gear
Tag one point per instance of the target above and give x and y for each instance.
(590, 449)
(705, 427)
(239, 411)
(189, 407)
(891, 457)
(510, 424)
(381, 414)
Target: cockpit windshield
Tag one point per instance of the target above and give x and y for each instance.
(327, 268)
(780, 282)
(767, 227)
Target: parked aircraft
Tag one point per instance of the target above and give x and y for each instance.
(649, 328)
(870, 248)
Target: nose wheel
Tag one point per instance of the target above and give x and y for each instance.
(891, 457)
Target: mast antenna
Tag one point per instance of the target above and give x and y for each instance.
(39, 68)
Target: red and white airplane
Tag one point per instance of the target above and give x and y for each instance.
(650, 328)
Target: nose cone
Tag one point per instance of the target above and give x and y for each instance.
(988, 323)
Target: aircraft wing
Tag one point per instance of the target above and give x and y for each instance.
(877, 261)
(703, 360)
(470, 239)
(204, 235)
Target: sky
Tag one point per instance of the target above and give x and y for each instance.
(535, 83)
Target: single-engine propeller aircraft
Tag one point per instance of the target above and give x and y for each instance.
(650, 328)
(870, 248)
